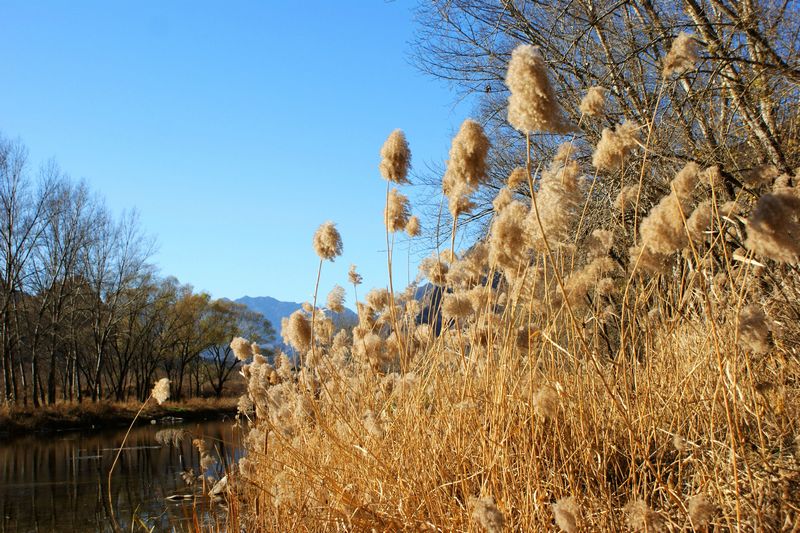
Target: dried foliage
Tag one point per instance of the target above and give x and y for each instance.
(533, 105)
(594, 103)
(395, 158)
(628, 341)
(327, 241)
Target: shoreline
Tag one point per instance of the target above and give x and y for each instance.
(103, 415)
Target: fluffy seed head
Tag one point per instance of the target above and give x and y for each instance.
(458, 199)
(594, 103)
(456, 305)
(486, 513)
(533, 105)
(467, 163)
(682, 56)
(566, 514)
(699, 222)
(509, 243)
(296, 331)
(378, 299)
(395, 158)
(545, 401)
(413, 228)
(503, 199)
(336, 299)
(626, 199)
(760, 175)
(517, 177)
(161, 391)
(773, 227)
(435, 270)
(712, 177)
(754, 329)
(642, 518)
(327, 241)
(354, 277)
(645, 259)
(615, 145)
(560, 199)
(396, 213)
(599, 243)
(686, 181)
(662, 230)
(701, 511)
(242, 349)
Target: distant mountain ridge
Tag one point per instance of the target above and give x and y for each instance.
(274, 310)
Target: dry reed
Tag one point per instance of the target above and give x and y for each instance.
(548, 367)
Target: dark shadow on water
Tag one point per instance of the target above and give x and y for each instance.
(57, 482)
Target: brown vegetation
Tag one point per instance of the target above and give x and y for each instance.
(65, 416)
(591, 369)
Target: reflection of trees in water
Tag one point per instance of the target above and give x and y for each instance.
(57, 482)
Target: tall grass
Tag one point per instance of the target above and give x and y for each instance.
(633, 369)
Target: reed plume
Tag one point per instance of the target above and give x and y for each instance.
(242, 348)
(397, 212)
(533, 105)
(593, 103)
(160, 391)
(395, 158)
(486, 513)
(353, 276)
(413, 227)
(566, 514)
(615, 146)
(335, 301)
(327, 242)
(773, 228)
(682, 56)
(467, 163)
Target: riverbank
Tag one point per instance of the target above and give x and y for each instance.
(88, 416)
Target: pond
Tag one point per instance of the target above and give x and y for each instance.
(58, 481)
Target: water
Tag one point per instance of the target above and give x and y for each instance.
(58, 481)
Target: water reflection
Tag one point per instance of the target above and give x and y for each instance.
(57, 482)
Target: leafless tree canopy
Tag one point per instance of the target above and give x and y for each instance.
(736, 109)
(83, 312)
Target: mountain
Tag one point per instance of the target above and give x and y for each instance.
(274, 310)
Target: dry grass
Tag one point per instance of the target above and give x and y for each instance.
(585, 379)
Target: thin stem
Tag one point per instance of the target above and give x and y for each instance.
(114, 464)
(314, 314)
(560, 282)
(392, 311)
(644, 159)
(453, 238)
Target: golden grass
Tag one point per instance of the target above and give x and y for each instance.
(598, 378)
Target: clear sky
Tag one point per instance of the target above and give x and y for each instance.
(235, 128)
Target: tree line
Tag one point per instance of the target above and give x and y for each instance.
(83, 311)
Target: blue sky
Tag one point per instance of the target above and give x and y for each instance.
(235, 128)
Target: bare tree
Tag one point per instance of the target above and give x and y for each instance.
(736, 110)
(22, 214)
(114, 264)
(82, 311)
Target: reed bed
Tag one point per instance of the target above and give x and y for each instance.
(593, 363)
